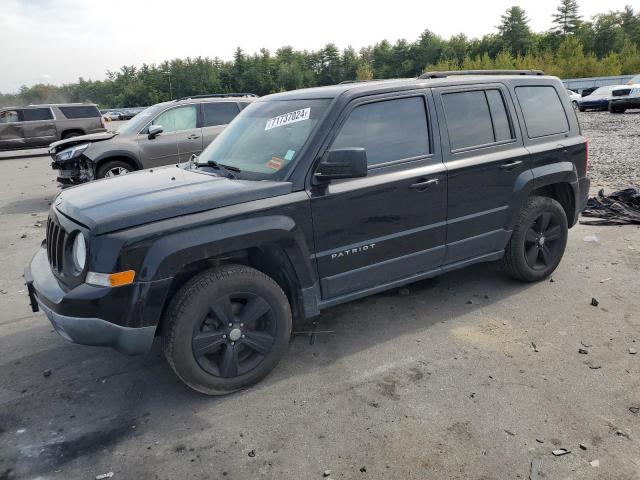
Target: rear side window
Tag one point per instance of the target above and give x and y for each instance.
(219, 113)
(542, 110)
(80, 111)
(476, 118)
(35, 114)
(388, 130)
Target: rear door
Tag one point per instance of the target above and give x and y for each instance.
(173, 144)
(39, 128)
(484, 155)
(215, 117)
(11, 132)
(390, 225)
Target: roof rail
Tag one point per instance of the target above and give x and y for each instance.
(218, 95)
(451, 73)
(344, 82)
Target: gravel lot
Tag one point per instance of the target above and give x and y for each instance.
(467, 376)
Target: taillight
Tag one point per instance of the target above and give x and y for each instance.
(102, 122)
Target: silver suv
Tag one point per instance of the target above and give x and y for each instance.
(38, 125)
(169, 132)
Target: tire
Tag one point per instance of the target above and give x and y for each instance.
(613, 109)
(113, 168)
(582, 109)
(538, 240)
(199, 316)
(71, 134)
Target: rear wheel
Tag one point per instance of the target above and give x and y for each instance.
(113, 168)
(538, 240)
(71, 134)
(613, 109)
(227, 329)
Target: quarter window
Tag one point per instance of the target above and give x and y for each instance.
(476, 118)
(80, 111)
(219, 113)
(9, 116)
(389, 130)
(542, 110)
(35, 114)
(177, 119)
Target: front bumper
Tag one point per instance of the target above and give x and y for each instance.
(124, 318)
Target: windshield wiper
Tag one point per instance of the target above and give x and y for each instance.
(224, 168)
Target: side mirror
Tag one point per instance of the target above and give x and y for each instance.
(342, 163)
(154, 131)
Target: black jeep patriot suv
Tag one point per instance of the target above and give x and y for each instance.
(309, 199)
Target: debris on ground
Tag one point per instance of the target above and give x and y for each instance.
(583, 351)
(536, 464)
(561, 451)
(582, 446)
(539, 440)
(591, 239)
(634, 410)
(632, 351)
(621, 207)
(605, 279)
(363, 469)
(585, 344)
(252, 453)
(104, 475)
(534, 346)
(595, 463)
(326, 473)
(24, 235)
(46, 373)
(594, 302)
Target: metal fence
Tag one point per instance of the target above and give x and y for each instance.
(580, 84)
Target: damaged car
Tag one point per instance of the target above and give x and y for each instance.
(166, 133)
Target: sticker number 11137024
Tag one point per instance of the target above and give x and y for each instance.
(287, 118)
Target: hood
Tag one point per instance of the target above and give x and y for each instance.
(92, 137)
(151, 195)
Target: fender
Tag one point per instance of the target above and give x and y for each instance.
(538, 177)
(116, 153)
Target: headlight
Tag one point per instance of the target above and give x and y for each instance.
(72, 152)
(79, 252)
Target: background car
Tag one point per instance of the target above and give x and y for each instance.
(597, 100)
(112, 115)
(166, 133)
(574, 97)
(37, 126)
(625, 97)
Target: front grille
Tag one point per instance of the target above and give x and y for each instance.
(56, 237)
(621, 93)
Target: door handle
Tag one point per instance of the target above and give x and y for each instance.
(511, 165)
(423, 184)
(193, 136)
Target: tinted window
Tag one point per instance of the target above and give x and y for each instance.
(35, 114)
(177, 119)
(80, 111)
(468, 119)
(542, 110)
(501, 126)
(389, 130)
(219, 113)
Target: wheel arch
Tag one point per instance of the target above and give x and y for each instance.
(66, 131)
(118, 155)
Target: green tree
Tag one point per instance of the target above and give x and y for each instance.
(514, 30)
(567, 19)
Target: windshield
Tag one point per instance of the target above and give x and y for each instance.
(140, 120)
(602, 91)
(265, 139)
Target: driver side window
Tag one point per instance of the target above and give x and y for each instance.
(177, 119)
(9, 116)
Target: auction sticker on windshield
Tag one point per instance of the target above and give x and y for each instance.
(287, 118)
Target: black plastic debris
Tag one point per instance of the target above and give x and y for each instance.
(594, 302)
(621, 207)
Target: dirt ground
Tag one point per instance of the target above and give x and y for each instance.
(467, 376)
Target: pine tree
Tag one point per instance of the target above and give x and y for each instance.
(514, 31)
(567, 19)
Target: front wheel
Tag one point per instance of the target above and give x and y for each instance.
(113, 168)
(582, 109)
(538, 240)
(226, 329)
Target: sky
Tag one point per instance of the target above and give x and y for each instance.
(57, 41)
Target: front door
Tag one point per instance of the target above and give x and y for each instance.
(370, 232)
(39, 128)
(484, 155)
(173, 144)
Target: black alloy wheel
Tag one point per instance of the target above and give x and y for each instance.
(542, 241)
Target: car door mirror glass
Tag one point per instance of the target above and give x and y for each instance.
(154, 131)
(342, 163)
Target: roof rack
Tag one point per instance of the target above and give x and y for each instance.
(451, 73)
(218, 95)
(344, 82)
